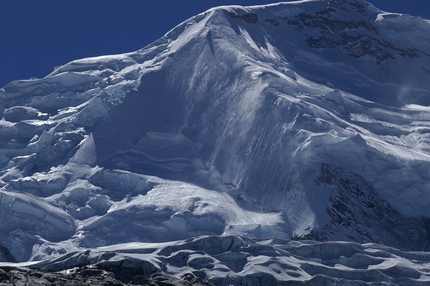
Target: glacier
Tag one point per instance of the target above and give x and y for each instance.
(298, 131)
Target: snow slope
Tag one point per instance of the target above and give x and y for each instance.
(301, 119)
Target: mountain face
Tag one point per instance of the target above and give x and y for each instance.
(299, 120)
(357, 213)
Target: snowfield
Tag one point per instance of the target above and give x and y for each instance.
(236, 260)
(210, 149)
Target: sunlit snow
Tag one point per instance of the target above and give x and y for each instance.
(220, 128)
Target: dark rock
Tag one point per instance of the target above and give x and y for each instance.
(356, 6)
(358, 37)
(250, 18)
(4, 251)
(272, 21)
(4, 276)
(359, 214)
(91, 275)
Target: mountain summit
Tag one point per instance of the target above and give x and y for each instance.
(304, 120)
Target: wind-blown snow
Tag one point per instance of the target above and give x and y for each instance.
(221, 128)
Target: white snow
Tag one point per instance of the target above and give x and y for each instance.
(232, 260)
(218, 128)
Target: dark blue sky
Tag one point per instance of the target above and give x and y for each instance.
(36, 36)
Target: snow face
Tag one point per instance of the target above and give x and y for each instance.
(172, 210)
(221, 127)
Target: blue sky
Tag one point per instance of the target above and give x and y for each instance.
(36, 36)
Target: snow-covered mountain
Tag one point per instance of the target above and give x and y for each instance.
(297, 120)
